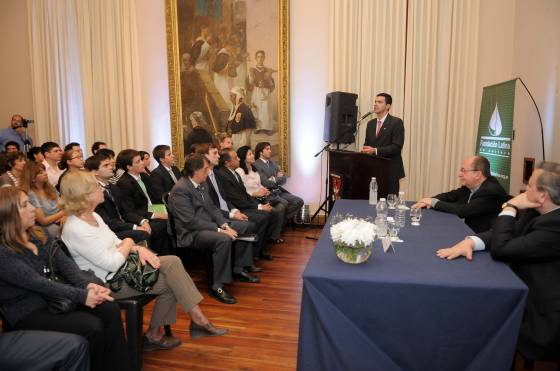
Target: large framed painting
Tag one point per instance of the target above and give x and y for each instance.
(228, 66)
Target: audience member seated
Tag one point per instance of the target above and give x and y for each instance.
(273, 178)
(43, 197)
(259, 218)
(96, 146)
(526, 235)
(201, 225)
(136, 203)
(225, 141)
(146, 160)
(164, 176)
(102, 168)
(15, 133)
(44, 350)
(15, 162)
(94, 246)
(25, 251)
(477, 201)
(11, 147)
(52, 154)
(72, 160)
(35, 154)
(74, 146)
(236, 193)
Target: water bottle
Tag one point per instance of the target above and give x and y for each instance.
(373, 192)
(400, 201)
(400, 217)
(382, 208)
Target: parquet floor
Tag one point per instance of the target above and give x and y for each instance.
(263, 324)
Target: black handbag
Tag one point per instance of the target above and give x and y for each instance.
(139, 277)
(56, 304)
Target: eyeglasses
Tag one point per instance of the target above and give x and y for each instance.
(461, 170)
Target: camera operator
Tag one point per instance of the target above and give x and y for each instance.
(16, 133)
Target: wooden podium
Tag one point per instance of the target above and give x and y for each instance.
(355, 170)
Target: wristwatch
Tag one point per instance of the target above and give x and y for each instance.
(507, 204)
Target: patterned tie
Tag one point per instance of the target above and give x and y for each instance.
(143, 186)
(199, 189)
(379, 123)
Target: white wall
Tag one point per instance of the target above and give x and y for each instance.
(15, 64)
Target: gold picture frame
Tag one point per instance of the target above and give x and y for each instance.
(185, 19)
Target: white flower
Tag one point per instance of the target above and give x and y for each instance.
(352, 231)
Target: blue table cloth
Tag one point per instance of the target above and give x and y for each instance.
(408, 310)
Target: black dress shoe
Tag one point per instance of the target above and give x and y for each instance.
(246, 277)
(253, 269)
(198, 331)
(266, 257)
(222, 295)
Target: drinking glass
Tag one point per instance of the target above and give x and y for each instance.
(393, 228)
(391, 200)
(415, 215)
(381, 224)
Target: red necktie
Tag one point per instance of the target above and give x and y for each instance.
(379, 123)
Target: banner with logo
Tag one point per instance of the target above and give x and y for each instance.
(495, 129)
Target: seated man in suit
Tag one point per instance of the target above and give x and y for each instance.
(259, 217)
(477, 201)
(135, 201)
(236, 193)
(530, 243)
(273, 178)
(102, 167)
(200, 224)
(164, 176)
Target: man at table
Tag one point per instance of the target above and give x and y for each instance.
(531, 245)
(477, 201)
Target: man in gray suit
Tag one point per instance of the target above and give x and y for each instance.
(200, 224)
(273, 178)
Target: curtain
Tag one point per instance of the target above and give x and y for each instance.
(86, 71)
(423, 53)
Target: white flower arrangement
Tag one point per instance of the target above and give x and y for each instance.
(353, 232)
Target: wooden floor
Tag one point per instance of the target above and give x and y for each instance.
(263, 324)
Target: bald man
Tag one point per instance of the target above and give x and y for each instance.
(479, 199)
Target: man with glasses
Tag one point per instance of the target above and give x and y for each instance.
(15, 133)
(478, 201)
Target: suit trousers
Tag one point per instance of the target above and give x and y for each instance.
(43, 351)
(101, 326)
(262, 220)
(159, 241)
(173, 286)
(291, 202)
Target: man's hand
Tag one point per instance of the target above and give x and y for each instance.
(521, 202)
(145, 227)
(160, 216)
(266, 207)
(368, 150)
(240, 216)
(232, 233)
(463, 248)
(423, 203)
(261, 192)
(146, 256)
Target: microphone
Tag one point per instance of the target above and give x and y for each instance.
(366, 115)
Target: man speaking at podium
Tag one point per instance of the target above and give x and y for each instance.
(385, 138)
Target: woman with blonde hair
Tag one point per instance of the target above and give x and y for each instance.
(25, 250)
(43, 196)
(94, 246)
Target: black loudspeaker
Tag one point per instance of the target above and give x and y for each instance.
(340, 117)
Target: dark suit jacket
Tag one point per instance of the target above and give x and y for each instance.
(235, 190)
(532, 247)
(133, 203)
(161, 182)
(192, 212)
(389, 144)
(109, 212)
(484, 206)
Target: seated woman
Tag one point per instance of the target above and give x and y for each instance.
(145, 156)
(43, 196)
(24, 252)
(252, 181)
(15, 162)
(94, 246)
(72, 160)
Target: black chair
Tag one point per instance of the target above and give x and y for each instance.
(187, 255)
(5, 324)
(134, 319)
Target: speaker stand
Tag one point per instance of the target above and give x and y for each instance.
(327, 202)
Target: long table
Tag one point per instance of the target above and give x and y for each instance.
(408, 310)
